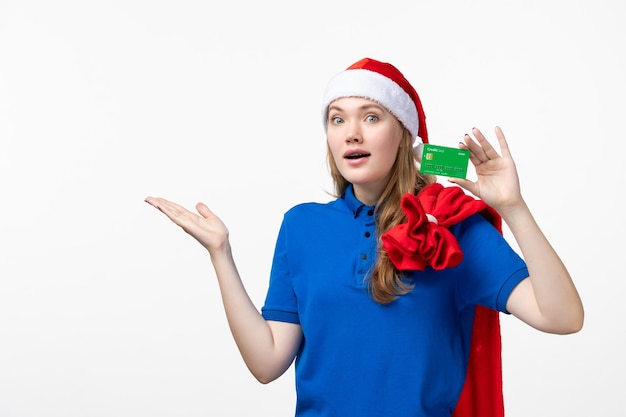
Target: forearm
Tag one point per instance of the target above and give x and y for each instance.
(265, 358)
(267, 349)
(558, 304)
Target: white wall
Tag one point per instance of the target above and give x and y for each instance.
(108, 309)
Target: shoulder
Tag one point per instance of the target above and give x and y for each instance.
(313, 208)
(476, 233)
(472, 225)
(312, 218)
(483, 245)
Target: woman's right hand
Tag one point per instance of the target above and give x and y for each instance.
(206, 227)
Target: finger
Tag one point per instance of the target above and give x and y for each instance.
(464, 183)
(155, 202)
(477, 155)
(204, 210)
(160, 203)
(489, 151)
(504, 146)
(177, 213)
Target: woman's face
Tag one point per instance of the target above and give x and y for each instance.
(364, 139)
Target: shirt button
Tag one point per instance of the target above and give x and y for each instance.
(363, 256)
(370, 212)
(367, 234)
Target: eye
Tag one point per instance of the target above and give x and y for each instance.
(336, 120)
(371, 118)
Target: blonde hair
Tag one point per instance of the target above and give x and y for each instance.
(385, 282)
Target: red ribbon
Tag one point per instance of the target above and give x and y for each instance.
(424, 240)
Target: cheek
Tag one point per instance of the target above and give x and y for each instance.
(334, 146)
(389, 152)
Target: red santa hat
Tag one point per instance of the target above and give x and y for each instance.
(385, 84)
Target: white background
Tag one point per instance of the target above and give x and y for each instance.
(108, 309)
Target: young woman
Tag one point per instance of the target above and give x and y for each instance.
(388, 296)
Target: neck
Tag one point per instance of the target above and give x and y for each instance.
(366, 194)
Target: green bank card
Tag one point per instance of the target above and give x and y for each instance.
(444, 161)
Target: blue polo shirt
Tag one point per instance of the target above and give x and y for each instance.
(360, 358)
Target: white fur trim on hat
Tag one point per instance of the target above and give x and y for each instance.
(374, 86)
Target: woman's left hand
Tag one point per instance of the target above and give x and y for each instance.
(497, 182)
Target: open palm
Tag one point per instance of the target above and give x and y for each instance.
(497, 182)
(205, 227)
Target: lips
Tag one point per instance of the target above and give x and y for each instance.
(356, 154)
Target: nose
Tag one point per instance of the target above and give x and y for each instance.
(353, 135)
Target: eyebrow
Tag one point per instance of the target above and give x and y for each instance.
(363, 107)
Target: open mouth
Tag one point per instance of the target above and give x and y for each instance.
(357, 155)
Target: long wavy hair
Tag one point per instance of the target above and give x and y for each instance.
(385, 282)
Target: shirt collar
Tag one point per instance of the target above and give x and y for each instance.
(354, 205)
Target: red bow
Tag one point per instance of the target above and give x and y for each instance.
(424, 240)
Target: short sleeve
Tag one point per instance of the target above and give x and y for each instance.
(280, 301)
(490, 269)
